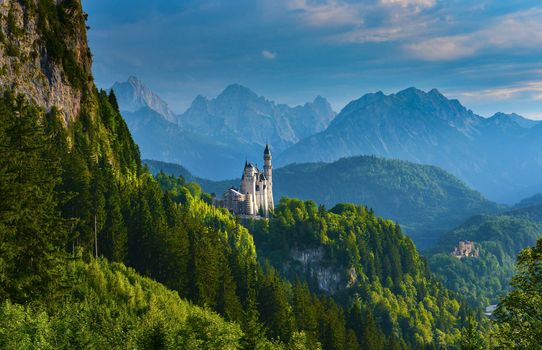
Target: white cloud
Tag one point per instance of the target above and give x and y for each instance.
(520, 30)
(418, 4)
(326, 13)
(367, 21)
(443, 48)
(269, 55)
(529, 89)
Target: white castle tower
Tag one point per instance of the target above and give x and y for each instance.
(255, 195)
(268, 172)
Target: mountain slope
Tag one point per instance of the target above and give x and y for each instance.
(132, 95)
(109, 306)
(350, 253)
(426, 127)
(424, 199)
(532, 212)
(241, 113)
(529, 201)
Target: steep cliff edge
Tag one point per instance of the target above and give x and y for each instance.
(44, 53)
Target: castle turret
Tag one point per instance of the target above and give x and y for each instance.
(268, 172)
(248, 186)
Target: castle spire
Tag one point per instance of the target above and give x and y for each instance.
(267, 151)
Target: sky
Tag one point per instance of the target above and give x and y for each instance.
(486, 53)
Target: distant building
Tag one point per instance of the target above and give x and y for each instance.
(255, 196)
(466, 249)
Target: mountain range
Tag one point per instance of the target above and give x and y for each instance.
(499, 156)
(214, 137)
(241, 113)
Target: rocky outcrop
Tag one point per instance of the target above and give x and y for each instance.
(133, 95)
(35, 62)
(329, 279)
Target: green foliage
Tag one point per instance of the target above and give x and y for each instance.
(423, 199)
(110, 306)
(471, 339)
(65, 179)
(32, 231)
(519, 314)
(367, 264)
(484, 279)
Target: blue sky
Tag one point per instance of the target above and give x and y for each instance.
(488, 54)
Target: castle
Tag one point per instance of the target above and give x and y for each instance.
(466, 249)
(255, 195)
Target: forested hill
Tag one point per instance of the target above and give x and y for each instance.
(484, 279)
(73, 187)
(352, 254)
(425, 200)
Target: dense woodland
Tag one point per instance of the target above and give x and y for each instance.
(483, 280)
(360, 257)
(97, 253)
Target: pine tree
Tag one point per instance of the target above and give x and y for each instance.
(471, 338)
(32, 232)
(519, 314)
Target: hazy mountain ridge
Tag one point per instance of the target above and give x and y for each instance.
(214, 137)
(529, 201)
(162, 140)
(132, 95)
(240, 112)
(428, 128)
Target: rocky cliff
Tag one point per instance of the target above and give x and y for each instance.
(34, 60)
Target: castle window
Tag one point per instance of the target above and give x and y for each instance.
(264, 187)
(257, 187)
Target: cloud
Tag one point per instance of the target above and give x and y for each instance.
(373, 21)
(443, 48)
(418, 4)
(269, 55)
(326, 13)
(520, 30)
(529, 89)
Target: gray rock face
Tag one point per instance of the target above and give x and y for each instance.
(36, 75)
(241, 113)
(133, 95)
(329, 279)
